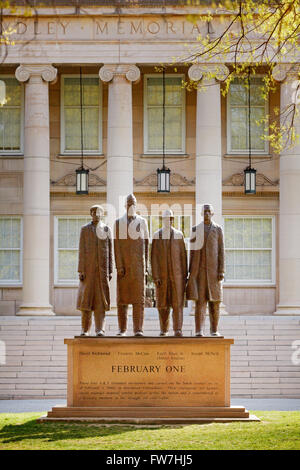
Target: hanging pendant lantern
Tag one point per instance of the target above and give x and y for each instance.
(249, 172)
(250, 180)
(163, 174)
(82, 175)
(163, 180)
(82, 181)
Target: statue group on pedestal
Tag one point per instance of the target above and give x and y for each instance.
(201, 282)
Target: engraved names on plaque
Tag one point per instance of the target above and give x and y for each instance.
(178, 372)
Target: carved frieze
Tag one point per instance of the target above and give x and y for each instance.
(70, 180)
(175, 180)
(237, 179)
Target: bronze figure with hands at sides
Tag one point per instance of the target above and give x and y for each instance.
(131, 242)
(206, 271)
(95, 271)
(169, 272)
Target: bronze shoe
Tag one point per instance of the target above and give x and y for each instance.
(199, 334)
(84, 333)
(178, 334)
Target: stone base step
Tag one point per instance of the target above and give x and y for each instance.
(146, 421)
(149, 412)
(148, 415)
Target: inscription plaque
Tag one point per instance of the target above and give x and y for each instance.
(155, 372)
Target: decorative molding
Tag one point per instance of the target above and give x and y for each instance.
(108, 72)
(25, 72)
(259, 194)
(197, 71)
(237, 179)
(70, 180)
(175, 180)
(281, 71)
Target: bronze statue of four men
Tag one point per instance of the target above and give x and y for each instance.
(202, 282)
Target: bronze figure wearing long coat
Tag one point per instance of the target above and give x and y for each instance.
(206, 271)
(95, 266)
(174, 266)
(169, 267)
(214, 251)
(131, 239)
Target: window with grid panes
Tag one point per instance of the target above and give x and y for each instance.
(174, 114)
(11, 109)
(249, 249)
(238, 117)
(10, 250)
(67, 244)
(71, 115)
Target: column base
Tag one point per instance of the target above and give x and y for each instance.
(35, 310)
(287, 310)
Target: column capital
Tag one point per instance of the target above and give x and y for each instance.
(47, 72)
(197, 71)
(281, 71)
(109, 71)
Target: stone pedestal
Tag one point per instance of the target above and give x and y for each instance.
(148, 380)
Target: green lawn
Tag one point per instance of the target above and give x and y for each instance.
(277, 430)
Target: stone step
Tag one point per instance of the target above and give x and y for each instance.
(151, 412)
(261, 363)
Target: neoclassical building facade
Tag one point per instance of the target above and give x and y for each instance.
(119, 53)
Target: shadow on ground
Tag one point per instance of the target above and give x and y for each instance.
(31, 430)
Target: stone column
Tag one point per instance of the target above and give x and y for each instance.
(208, 186)
(208, 138)
(289, 206)
(119, 141)
(36, 190)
